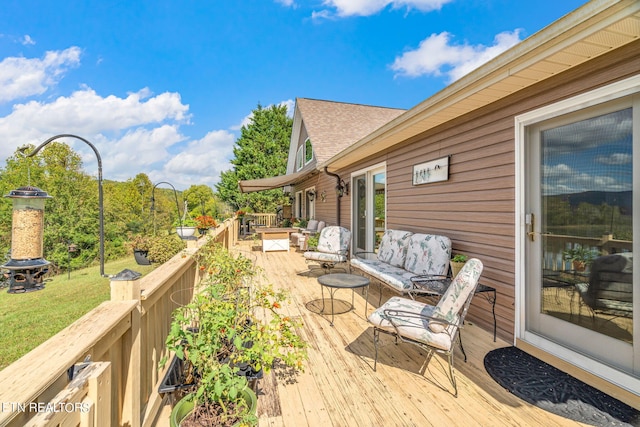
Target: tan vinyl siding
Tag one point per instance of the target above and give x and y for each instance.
(476, 206)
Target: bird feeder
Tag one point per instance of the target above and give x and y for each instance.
(27, 266)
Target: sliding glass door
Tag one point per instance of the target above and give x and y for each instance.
(368, 208)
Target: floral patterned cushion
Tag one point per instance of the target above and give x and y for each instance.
(428, 254)
(333, 245)
(411, 327)
(396, 277)
(393, 247)
(456, 295)
(334, 239)
(324, 257)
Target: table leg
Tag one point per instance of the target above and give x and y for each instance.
(492, 301)
(365, 292)
(331, 291)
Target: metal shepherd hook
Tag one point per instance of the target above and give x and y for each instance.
(101, 209)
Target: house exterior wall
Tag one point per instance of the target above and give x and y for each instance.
(476, 206)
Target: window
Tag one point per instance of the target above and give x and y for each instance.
(308, 151)
(304, 154)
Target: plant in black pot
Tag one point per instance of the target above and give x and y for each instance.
(232, 327)
(140, 245)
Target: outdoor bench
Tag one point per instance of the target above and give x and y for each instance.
(403, 255)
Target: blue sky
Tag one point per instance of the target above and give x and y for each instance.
(163, 87)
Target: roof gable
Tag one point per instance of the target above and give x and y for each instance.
(333, 126)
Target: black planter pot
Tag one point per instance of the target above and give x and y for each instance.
(251, 375)
(141, 257)
(174, 379)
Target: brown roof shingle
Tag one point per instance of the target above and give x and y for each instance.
(333, 126)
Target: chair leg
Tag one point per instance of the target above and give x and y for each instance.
(452, 375)
(461, 347)
(376, 338)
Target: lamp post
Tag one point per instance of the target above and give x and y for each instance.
(153, 201)
(100, 203)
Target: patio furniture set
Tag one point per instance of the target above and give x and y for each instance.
(411, 264)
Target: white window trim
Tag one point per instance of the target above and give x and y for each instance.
(618, 90)
(298, 201)
(368, 171)
(312, 203)
(300, 158)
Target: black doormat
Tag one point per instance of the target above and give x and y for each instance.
(551, 389)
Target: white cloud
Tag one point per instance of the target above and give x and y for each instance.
(27, 40)
(132, 134)
(22, 77)
(345, 8)
(86, 112)
(201, 161)
(615, 159)
(137, 133)
(436, 55)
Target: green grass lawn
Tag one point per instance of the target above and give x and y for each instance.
(29, 319)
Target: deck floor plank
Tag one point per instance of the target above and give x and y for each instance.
(339, 387)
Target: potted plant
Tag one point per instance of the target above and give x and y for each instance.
(456, 263)
(163, 248)
(205, 222)
(140, 245)
(312, 241)
(579, 256)
(186, 227)
(229, 325)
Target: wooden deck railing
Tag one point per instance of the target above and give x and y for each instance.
(555, 244)
(123, 341)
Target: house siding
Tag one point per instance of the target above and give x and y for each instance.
(476, 206)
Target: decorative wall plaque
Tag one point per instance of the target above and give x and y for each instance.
(433, 171)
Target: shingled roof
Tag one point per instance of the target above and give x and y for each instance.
(333, 126)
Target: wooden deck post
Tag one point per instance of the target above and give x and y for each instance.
(122, 290)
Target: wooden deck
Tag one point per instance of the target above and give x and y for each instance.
(339, 386)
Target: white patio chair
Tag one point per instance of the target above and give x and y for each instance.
(312, 226)
(432, 328)
(333, 247)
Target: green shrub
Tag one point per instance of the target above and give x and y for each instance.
(163, 248)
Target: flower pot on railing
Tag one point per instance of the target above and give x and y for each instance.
(184, 232)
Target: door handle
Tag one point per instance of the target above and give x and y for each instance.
(531, 222)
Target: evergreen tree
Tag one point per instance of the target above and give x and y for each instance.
(261, 151)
